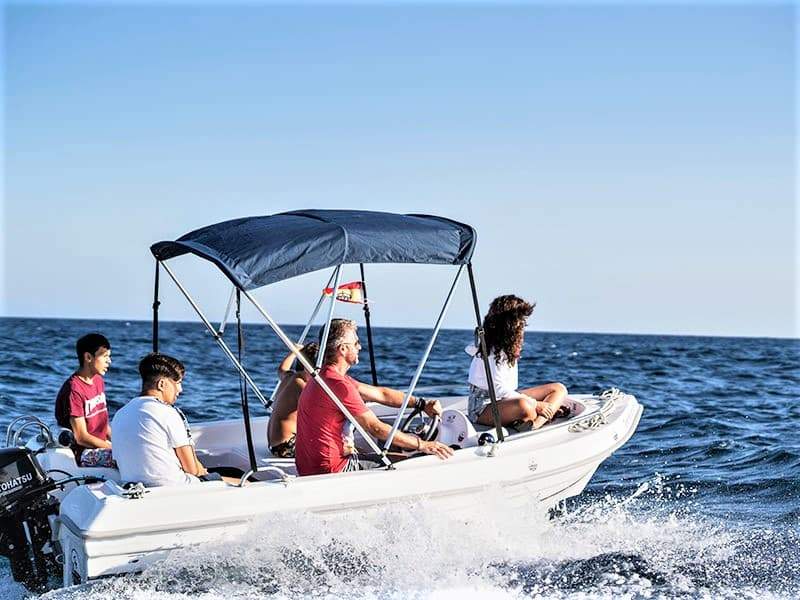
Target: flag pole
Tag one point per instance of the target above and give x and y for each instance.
(369, 328)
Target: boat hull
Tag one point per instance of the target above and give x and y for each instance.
(102, 532)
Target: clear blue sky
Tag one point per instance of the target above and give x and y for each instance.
(631, 168)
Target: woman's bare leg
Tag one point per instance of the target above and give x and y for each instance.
(549, 398)
(510, 410)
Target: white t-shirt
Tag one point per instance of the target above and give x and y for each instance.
(146, 433)
(504, 376)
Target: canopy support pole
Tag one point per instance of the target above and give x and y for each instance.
(217, 337)
(418, 373)
(156, 304)
(306, 330)
(248, 430)
(369, 328)
(481, 339)
(316, 310)
(227, 314)
(323, 343)
(315, 374)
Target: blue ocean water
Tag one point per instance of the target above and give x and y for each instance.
(702, 502)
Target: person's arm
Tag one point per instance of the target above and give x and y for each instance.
(377, 428)
(181, 442)
(108, 432)
(189, 462)
(198, 465)
(287, 363)
(543, 408)
(82, 435)
(394, 398)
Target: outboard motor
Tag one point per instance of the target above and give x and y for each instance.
(25, 508)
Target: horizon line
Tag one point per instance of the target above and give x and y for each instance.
(699, 335)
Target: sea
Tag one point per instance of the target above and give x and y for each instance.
(702, 502)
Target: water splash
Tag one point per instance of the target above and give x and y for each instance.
(650, 543)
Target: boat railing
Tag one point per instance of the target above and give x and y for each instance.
(597, 419)
(20, 424)
(285, 477)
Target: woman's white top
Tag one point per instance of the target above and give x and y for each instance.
(504, 376)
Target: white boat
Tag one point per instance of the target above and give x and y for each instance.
(104, 527)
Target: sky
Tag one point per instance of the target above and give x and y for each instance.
(630, 167)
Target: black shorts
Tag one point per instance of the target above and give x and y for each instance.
(284, 449)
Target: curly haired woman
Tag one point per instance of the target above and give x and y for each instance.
(504, 327)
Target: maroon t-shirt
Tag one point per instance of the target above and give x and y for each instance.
(76, 398)
(319, 447)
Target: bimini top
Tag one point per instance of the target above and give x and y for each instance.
(256, 251)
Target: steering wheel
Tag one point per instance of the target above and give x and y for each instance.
(429, 428)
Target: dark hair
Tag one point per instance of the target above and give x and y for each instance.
(310, 352)
(339, 327)
(155, 365)
(91, 343)
(504, 326)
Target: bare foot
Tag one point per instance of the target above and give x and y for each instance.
(539, 421)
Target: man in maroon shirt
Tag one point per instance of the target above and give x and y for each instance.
(320, 445)
(81, 402)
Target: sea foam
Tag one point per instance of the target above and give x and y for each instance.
(643, 545)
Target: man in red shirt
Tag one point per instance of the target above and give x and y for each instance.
(81, 403)
(320, 444)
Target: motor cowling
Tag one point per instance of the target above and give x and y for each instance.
(20, 474)
(25, 508)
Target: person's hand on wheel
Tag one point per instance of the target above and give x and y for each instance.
(432, 408)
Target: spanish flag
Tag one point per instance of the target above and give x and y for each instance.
(348, 292)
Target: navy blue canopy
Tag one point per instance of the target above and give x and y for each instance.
(256, 251)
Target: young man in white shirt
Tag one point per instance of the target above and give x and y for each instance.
(152, 441)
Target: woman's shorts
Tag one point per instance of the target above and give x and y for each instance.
(478, 400)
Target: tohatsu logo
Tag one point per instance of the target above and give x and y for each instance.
(6, 487)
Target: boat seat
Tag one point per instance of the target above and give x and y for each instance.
(237, 458)
(456, 429)
(284, 464)
(62, 460)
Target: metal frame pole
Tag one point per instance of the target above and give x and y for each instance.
(425, 356)
(306, 330)
(479, 333)
(227, 314)
(248, 430)
(217, 337)
(315, 374)
(156, 304)
(316, 310)
(323, 343)
(369, 328)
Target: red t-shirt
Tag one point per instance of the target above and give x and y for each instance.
(319, 447)
(76, 398)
